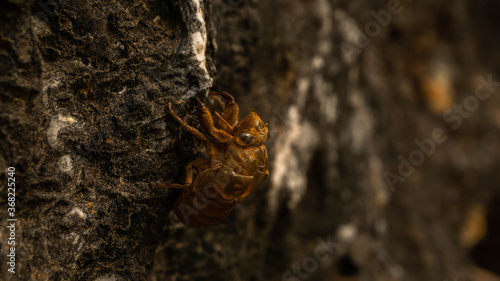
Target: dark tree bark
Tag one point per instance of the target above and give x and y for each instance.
(383, 152)
(84, 87)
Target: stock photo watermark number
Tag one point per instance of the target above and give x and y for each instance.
(11, 220)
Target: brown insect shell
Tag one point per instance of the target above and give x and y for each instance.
(238, 164)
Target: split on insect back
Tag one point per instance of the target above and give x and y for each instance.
(237, 164)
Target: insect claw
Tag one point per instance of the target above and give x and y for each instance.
(170, 110)
(224, 95)
(198, 102)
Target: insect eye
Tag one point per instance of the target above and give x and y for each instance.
(246, 138)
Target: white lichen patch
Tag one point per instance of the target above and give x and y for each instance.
(347, 233)
(74, 237)
(294, 153)
(78, 212)
(294, 148)
(199, 47)
(56, 124)
(66, 164)
(199, 38)
(51, 83)
(77, 240)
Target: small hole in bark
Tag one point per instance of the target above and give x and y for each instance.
(485, 253)
(347, 267)
(395, 33)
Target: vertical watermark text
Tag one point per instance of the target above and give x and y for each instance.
(11, 220)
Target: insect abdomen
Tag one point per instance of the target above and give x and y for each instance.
(211, 197)
(196, 209)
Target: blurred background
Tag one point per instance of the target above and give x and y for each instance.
(384, 155)
(386, 137)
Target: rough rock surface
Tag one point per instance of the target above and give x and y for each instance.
(365, 95)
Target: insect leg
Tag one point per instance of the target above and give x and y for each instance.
(259, 180)
(190, 129)
(171, 185)
(223, 123)
(230, 110)
(207, 123)
(218, 100)
(198, 165)
(224, 95)
(245, 182)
